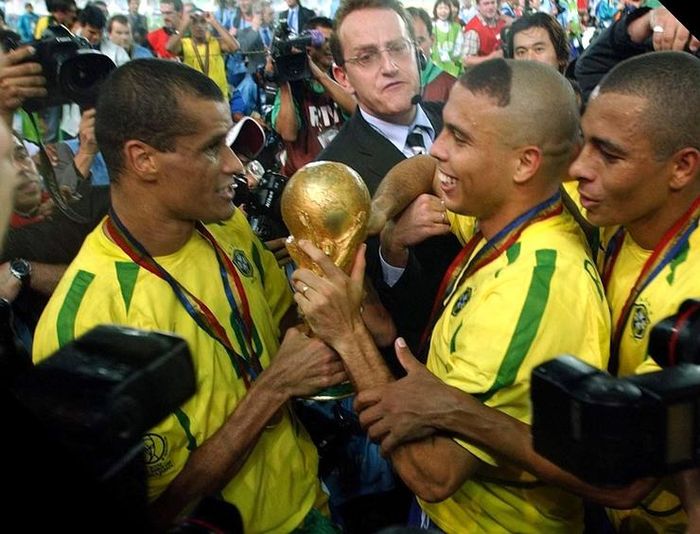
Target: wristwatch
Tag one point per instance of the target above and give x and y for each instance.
(22, 270)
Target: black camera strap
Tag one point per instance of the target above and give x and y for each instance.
(204, 65)
(49, 177)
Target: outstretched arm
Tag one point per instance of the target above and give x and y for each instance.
(420, 405)
(301, 367)
(402, 185)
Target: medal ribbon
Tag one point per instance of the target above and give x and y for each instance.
(204, 65)
(247, 366)
(462, 267)
(665, 251)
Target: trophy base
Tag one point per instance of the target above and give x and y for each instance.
(341, 391)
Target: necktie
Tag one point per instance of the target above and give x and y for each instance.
(293, 20)
(266, 37)
(415, 142)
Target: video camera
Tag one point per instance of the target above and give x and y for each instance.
(289, 53)
(78, 420)
(609, 430)
(73, 70)
(262, 203)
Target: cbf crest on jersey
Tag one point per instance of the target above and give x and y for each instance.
(462, 301)
(240, 260)
(639, 321)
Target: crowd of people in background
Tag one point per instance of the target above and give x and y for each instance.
(463, 122)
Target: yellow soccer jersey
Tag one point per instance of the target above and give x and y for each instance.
(277, 485)
(217, 67)
(538, 300)
(677, 282)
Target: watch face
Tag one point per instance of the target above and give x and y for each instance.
(21, 269)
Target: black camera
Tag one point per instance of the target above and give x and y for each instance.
(73, 70)
(289, 53)
(262, 204)
(78, 420)
(676, 339)
(609, 430)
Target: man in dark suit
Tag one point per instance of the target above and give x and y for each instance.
(375, 60)
(296, 16)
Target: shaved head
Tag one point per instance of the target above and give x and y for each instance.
(538, 107)
(669, 83)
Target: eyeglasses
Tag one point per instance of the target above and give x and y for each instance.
(372, 58)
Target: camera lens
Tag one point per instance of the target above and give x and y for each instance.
(81, 75)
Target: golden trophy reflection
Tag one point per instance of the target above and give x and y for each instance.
(328, 204)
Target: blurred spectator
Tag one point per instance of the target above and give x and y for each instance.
(119, 32)
(202, 51)
(138, 23)
(467, 12)
(27, 23)
(297, 16)
(538, 37)
(482, 37)
(171, 10)
(436, 83)
(102, 6)
(448, 39)
(60, 12)
(92, 22)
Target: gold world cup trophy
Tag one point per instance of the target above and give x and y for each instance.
(328, 204)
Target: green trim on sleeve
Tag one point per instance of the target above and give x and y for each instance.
(127, 272)
(185, 424)
(65, 322)
(528, 323)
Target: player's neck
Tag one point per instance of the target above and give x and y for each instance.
(159, 234)
(649, 230)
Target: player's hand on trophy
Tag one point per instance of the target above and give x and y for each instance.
(331, 303)
(304, 365)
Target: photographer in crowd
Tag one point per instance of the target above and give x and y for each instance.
(171, 10)
(308, 113)
(92, 22)
(120, 33)
(201, 50)
(164, 132)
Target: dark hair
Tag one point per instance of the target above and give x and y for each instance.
(557, 35)
(2, 13)
(177, 4)
(142, 100)
(28, 4)
(349, 6)
(60, 5)
(91, 15)
(447, 3)
(422, 14)
(492, 78)
(318, 22)
(669, 82)
(121, 19)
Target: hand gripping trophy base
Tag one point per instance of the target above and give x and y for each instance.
(327, 204)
